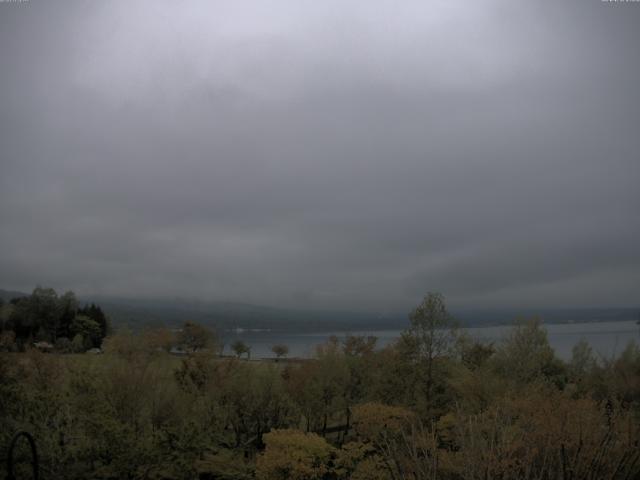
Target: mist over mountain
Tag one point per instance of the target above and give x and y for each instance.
(148, 312)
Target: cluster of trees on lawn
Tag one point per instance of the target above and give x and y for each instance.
(58, 320)
(434, 405)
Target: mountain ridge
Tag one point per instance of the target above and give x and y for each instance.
(226, 315)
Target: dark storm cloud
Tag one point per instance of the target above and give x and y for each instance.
(323, 153)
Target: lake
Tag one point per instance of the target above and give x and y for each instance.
(607, 339)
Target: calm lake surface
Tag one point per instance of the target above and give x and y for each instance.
(606, 338)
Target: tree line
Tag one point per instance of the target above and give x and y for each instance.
(436, 404)
(58, 321)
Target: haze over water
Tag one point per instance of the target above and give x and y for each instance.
(607, 339)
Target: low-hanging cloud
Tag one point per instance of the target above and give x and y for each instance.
(329, 154)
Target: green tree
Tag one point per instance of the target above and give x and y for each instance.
(194, 337)
(45, 316)
(358, 345)
(320, 386)
(240, 348)
(294, 455)
(526, 355)
(280, 350)
(43, 306)
(35, 312)
(87, 328)
(67, 311)
(474, 354)
(78, 344)
(582, 360)
(252, 400)
(431, 335)
(94, 312)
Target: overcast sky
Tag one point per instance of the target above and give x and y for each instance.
(333, 154)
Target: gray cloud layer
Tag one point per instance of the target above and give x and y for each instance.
(332, 154)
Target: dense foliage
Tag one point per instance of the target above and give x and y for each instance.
(436, 404)
(53, 321)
